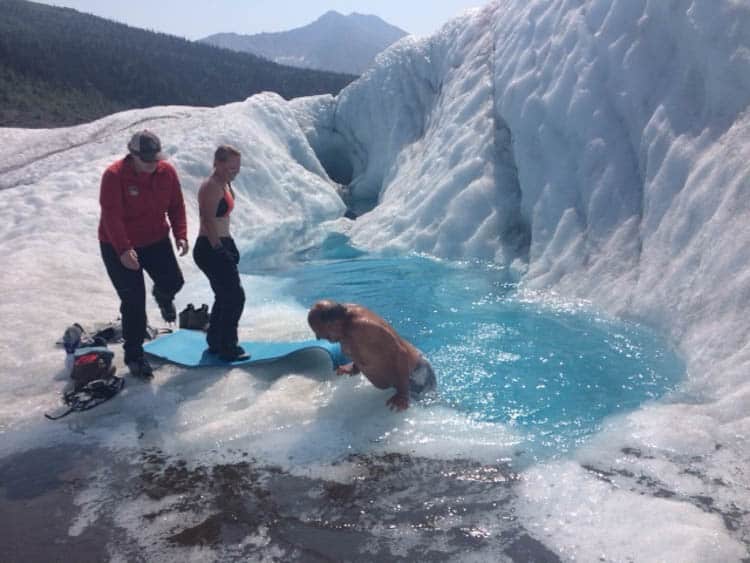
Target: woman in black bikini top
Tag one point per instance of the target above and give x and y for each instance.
(217, 256)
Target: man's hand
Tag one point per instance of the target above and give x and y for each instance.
(347, 369)
(398, 402)
(129, 259)
(183, 246)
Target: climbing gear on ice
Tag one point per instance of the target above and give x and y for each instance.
(90, 395)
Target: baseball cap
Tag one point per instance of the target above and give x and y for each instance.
(146, 146)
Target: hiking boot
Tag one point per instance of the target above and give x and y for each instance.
(186, 316)
(194, 319)
(201, 317)
(168, 311)
(236, 354)
(166, 305)
(140, 368)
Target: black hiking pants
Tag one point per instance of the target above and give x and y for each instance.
(160, 263)
(229, 297)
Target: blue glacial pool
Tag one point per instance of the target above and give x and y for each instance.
(552, 370)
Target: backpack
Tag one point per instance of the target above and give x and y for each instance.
(94, 379)
(91, 364)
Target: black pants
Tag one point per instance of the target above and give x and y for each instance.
(229, 297)
(160, 263)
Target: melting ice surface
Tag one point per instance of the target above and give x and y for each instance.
(550, 370)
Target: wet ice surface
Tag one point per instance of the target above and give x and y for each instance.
(288, 462)
(393, 508)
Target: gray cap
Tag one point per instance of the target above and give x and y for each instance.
(146, 146)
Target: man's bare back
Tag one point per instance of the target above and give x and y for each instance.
(377, 351)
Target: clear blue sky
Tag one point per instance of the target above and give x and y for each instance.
(197, 19)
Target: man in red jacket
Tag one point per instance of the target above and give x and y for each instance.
(138, 193)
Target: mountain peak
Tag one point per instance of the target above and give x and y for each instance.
(333, 42)
(332, 14)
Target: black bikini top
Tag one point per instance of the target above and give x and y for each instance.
(226, 203)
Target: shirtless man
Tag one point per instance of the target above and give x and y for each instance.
(377, 351)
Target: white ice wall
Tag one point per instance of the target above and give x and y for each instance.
(429, 147)
(593, 114)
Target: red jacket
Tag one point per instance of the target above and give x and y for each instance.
(134, 205)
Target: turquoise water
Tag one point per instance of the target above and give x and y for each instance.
(552, 371)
